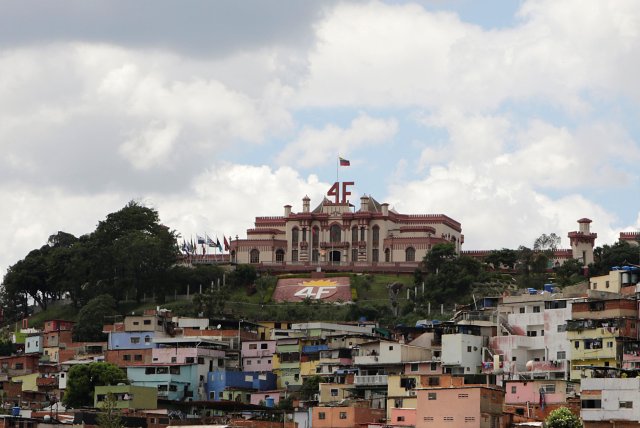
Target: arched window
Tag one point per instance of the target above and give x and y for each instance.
(354, 234)
(387, 255)
(335, 233)
(294, 235)
(279, 255)
(254, 256)
(410, 254)
(375, 235)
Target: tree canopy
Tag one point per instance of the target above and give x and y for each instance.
(83, 378)
(562, 418)
(92, 318)
(129, 254)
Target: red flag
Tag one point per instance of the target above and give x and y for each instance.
(344, 162)
(226, 243)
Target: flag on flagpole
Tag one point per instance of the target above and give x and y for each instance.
(218, 244)
(210, 242)
(226, 243)
(344, 162)
(200, 239)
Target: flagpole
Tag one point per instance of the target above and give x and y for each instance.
(337, 169)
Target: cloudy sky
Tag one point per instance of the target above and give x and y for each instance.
(516, 118)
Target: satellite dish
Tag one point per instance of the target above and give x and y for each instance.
(219, 326)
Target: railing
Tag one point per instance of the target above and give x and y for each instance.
(371, 380)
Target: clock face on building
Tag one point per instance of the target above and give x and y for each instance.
(325, 289)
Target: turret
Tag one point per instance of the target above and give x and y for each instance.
(582, 242)
(305, 204)
(287, 210)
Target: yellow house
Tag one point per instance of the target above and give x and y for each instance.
(401, 392)
(28, 381)
(333, 392)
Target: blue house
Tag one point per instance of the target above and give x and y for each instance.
(237, 386)
(176, 382)
(130, 340)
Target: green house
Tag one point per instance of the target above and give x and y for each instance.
(127, 396)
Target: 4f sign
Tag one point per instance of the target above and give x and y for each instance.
(335, 191)
(314, 292)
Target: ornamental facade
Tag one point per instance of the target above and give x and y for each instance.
(336, 233)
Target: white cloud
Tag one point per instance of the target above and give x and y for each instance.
(315, 147)
(376, 54)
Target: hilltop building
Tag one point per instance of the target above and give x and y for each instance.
(335, 233)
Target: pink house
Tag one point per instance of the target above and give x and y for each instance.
(263, 396)
(257, 355)
(402, 417)
(468, 406)
(536, 398)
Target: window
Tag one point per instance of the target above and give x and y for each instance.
(294, 236)
(137, 357)
(248, 362)
(468, 348)
(263, 346)
(134, 340)
(609, 344)
(432, 396)
(126, 357)
(561, 355)
(315, 256)
(150, 370)
(322, 415)
(335, 234)
(522, 310)
(577, 344)
(174, 359)
(343, 415)
(532, 333)
(375, 255)
(280, 255)
(334, 392)
(375, 235)
(562, 328)
(294, 255)
(354, 254)
(254, 256)
(315, 236)
(387, 255)
(147, 322)
(200, 360)
(428, 418)
(469, 418)
(253, 346)
(189, 360)
(626, 404)
(414, 367)
(410, 254)
(434, 366)
(174, 370)
(591, 404)
(362, 233)
(536, 309)
(400, 419)
(434, 381)
(354, 234)
(514, 389)
(390, 348)
(147, 339)
(447, 418)
(549, 388)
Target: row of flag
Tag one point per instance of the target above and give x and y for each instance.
(191, 247)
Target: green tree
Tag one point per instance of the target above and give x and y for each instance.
(243, 276)
(28, 277)
(562, 418)
(264, 285)
(618, 254)
(504, 257)
(92, 318)
(110, 417)
(438, 256)
(310, 387)
(570, 272)
(83, 378)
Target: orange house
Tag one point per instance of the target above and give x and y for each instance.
(345, 417)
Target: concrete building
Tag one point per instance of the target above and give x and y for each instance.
(468, 406)
(129, 397)
(610, 402)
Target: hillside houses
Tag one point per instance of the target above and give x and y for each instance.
(503, 360)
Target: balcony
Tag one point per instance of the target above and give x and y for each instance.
(371, 380)
(329, 245)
